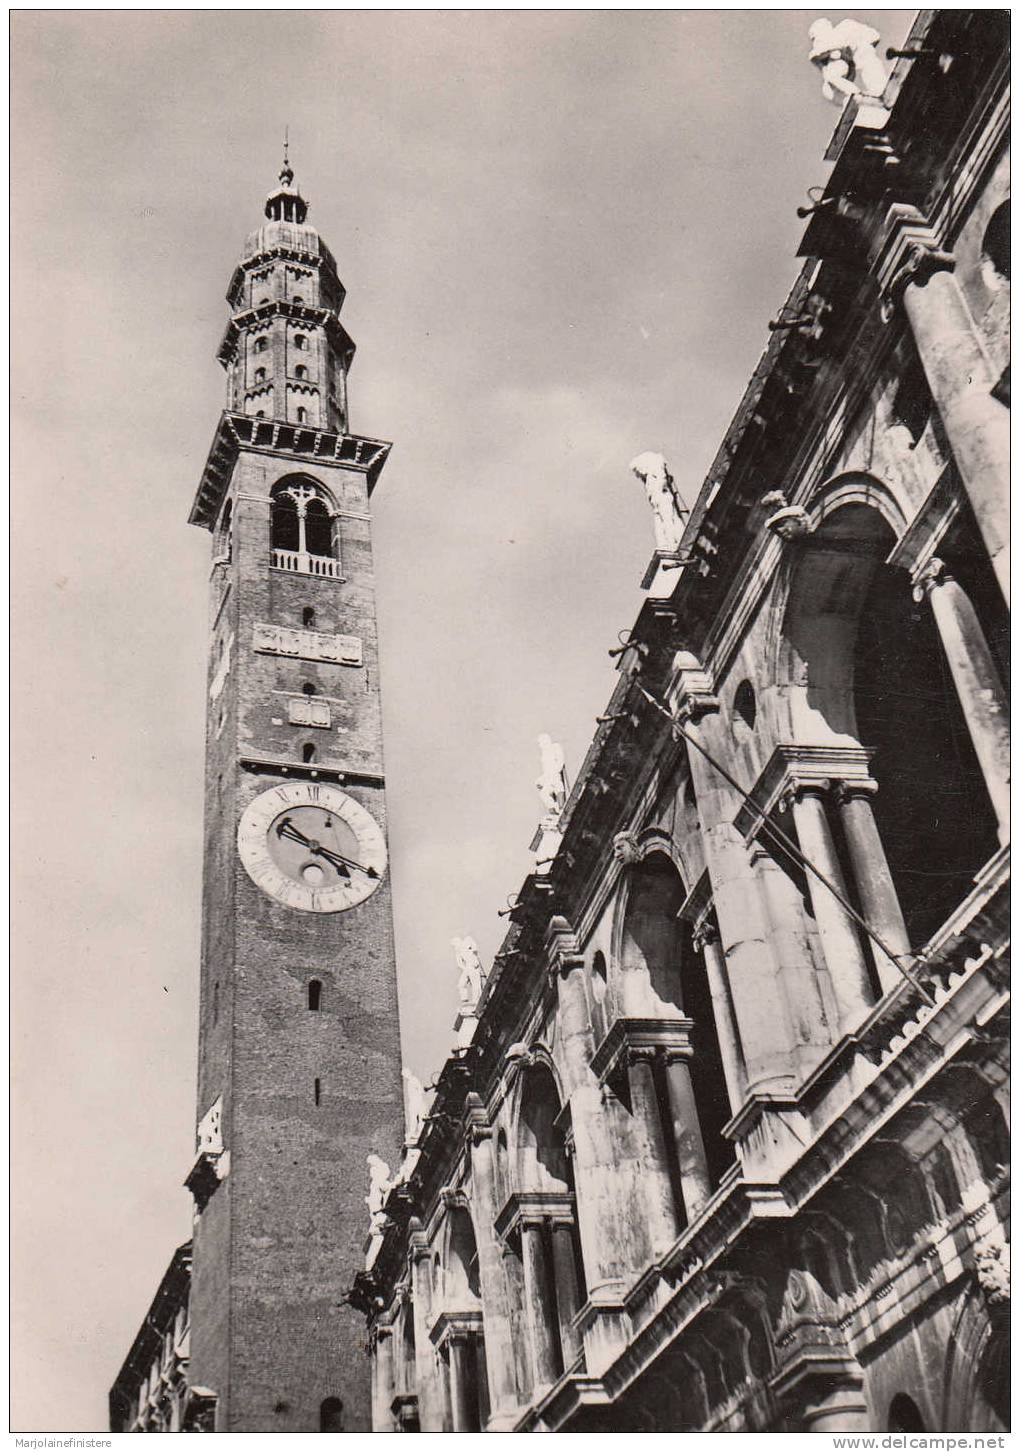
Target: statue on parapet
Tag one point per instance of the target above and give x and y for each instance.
(552, 784)
(846, 56)
(472, 976)
(415, 1105)
(379, 1186)
(669, 513)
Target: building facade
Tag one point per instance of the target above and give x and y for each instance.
(723, 1146)
(299, 1050)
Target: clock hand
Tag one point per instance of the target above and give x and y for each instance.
(287, 829)
(345, 861)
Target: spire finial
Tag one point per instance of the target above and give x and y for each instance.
(286, 171)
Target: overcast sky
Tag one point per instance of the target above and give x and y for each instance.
(562, 235)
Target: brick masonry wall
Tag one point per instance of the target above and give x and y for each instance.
(281, 1239)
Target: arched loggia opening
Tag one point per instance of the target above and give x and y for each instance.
(663, 976)
(463, 1345)
(549, 1249)
(866, 668)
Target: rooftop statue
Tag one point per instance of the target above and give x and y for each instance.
(414, 1103)
(846, 56)
(378, 1184)
(472, 977)
(552, 784)
(668, 510)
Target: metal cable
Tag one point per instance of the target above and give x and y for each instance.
(789, 845)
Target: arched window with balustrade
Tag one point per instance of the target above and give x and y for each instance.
(304, 529)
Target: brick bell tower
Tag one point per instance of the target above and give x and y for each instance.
(299, 1051)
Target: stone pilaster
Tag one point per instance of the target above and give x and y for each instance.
(499, 1356)
(744, 931)
(431, 1398)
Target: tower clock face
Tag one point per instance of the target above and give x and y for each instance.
(312, 847)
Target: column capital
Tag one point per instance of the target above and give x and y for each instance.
(800, 787)
(691, 692)
(845, 791)
(909, 254)
(641, 1054)
(679, 1054)
(476, 1119)
(562, 948)
(927, 576)
(704, 932)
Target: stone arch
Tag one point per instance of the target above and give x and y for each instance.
(858, 664)
(904, 1415)
(461, 1289)
(662, 975)
(303, 513)
(541, 1159)
(976, 1378)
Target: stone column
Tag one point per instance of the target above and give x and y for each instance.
(383, 1389)
(880, 905)
(568, 1299)
(644, 1104)
(431, 1398)
(706, 941)
(695, 1185)
(499, 1356)
(976, 679)
(844, 956)
(463, 1391)
(961, 378)
(539, 1309)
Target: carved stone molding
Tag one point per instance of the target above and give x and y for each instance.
(909, 254)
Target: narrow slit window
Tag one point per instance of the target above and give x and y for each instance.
(317, 1091)
(308, 752)
(314, 995)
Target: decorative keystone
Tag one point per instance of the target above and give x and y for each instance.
(786, 521)
(626, 848)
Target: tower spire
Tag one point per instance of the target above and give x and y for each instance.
(285, 203)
